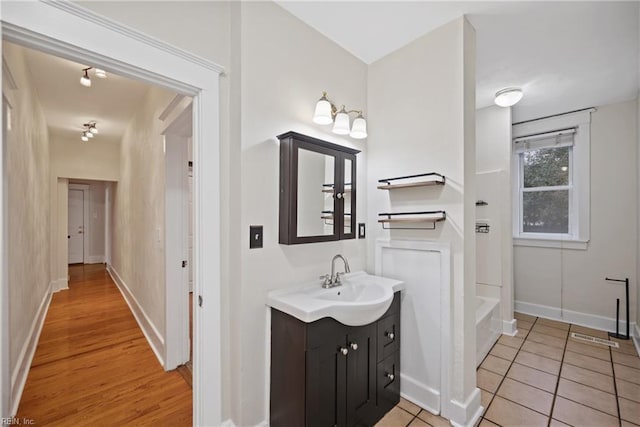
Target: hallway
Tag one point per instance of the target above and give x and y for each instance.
(93, 365)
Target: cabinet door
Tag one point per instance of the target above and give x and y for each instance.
(361, 376)
(347, 196)
(326, 387)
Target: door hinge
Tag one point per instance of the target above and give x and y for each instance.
(200, 300)
(184, 264)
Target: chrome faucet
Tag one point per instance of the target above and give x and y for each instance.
(334, 279)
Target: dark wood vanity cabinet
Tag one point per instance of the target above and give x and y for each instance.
(326, 374)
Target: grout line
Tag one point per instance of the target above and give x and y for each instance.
(615, 387)
(555, 393)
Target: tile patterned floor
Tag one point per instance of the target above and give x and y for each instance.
(543, 377)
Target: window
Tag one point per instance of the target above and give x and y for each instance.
(551, 182)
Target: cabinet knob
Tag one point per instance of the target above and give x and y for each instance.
(390, 376)
(344, 351)
(339, 195)
(391, 335)
(354, 346)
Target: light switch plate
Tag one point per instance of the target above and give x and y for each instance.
(255, 236)
(361, 230)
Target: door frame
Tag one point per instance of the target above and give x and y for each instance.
(70, 31)
(86, 228)
(176, 135)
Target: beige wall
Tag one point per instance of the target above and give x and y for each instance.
(28, 199)
(94, 160)
(574, 279)
(137, 251)
(421, 115)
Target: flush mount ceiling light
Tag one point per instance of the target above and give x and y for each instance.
(89, 130)
(327, 113)
(85, 80)
(508, 97)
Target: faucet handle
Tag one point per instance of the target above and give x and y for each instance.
(337, 279)
(327, 280)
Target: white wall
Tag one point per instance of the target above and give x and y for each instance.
(574, 279)
(285, 66)
(422, 119)
(28, 198)
(494, 258)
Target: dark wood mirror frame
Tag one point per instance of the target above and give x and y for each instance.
(290, 143)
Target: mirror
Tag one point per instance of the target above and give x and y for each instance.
(316, 175)
(317, 190)
(347, 196)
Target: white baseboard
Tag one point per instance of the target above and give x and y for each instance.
(420, 394)
(576, 317)
(510, 327)
(59, 285)
(21, 370)
(155, 339)
(468, 413)
(95, 259)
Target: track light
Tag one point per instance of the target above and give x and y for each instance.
(85, 80)
(89, 130)
(327, 113)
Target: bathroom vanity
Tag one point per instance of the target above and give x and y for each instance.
(328, 373)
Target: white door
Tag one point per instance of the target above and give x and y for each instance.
(75, 230)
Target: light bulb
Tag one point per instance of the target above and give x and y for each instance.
(84, 137)
(93, 129)
(89, 134)
(85, 80)
(341, 125)
(101, 74)
(359, 128)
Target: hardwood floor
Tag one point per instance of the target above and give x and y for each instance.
(93, 365)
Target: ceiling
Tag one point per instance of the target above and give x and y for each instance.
(67, 105)
(565, 55)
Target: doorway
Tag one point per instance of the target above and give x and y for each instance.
(74, 33)
(78, 223)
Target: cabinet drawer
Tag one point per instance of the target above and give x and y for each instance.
(388, 336)
(388, 382)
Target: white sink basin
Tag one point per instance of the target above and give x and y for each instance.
(361, 299)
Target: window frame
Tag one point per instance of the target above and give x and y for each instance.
(579, 181)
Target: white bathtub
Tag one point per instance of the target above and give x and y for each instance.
(488, 326)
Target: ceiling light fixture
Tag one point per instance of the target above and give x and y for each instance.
(327, 113)
(89, 130)
(508, 97)
(85, 80)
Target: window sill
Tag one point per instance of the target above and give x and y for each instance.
(581, 245)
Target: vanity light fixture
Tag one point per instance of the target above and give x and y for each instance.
(508, 97)
(85, 80)
(327, 113)
(89, 130)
